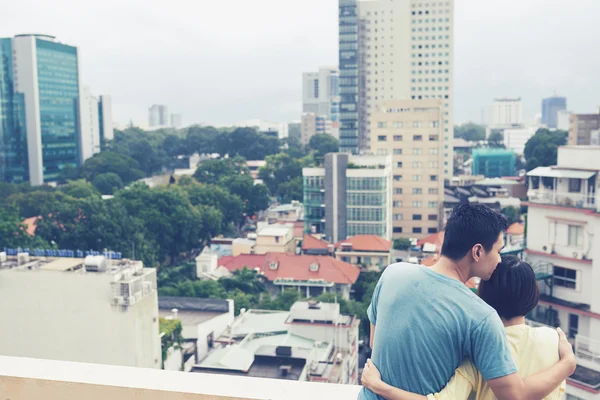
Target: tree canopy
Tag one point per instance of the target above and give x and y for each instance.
(470, 131)
(542, 148)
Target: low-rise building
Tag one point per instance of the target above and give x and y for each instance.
(292, 212)
(311, 342)
(310, 275)
(276, 238)
(563, 231)
(584, 129)
(493, 163)
(314, 246)
(92, 310)
(368, 251)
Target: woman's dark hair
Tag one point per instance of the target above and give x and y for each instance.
(512, 289)
(471, 224)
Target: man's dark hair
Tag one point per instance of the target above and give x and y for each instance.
(512, 289)
(469, 225)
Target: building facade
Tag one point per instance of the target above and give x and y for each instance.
(515, 139)
(105, 119)
(412, 133)
(494, 163)
(550, 108)
(314, 124)
(158, 115)
(321, 95)
(562, 245)
(563, 120)
(349, 196)
(507, 112)
(84, 310)
(49, 119)
(407, 50)
(584, 129)
(176, 121)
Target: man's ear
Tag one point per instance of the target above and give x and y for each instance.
(477, 252)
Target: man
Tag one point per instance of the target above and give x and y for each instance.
(425, 321)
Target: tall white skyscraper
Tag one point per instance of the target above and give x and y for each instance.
(158, 116)
(321, 95)
(90, 124)
(176, 120)
(406, 53)
(507, 112)
(105, 118)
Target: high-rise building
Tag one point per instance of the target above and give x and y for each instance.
(507, 113)
(14, 166)
(176, 120)
(342, 200)
(158, 116)
(412, 132)
(550, 108)
(321, 95)
(49, 119)
(349, 70)
(405, 52)
(562, 243)
(105, 119)
(584, 129)
(563, 120)
(47, 73)
(313, 124)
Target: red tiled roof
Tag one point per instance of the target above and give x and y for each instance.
(436, 239)
(516, 229)
(310, 242)
(367, 243)
(31, 225)
(294, 266)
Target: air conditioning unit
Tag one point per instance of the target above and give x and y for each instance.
(577, 255)
(22, 258)
(547, 249)
(118, 301)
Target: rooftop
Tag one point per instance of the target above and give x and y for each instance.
(516, 229)
(366, 243)
(193, 304)
(310, 242)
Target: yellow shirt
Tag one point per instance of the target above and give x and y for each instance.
(533, 349)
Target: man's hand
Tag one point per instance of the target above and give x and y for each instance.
(565, 350)
(371, 378)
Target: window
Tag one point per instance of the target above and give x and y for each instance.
(397, 178)
(417, 204)
(398, 217)
(417, 138)
(416, 178)
(397, 124)
(417, 217)
(434, 164)
(397, 151)
(574, 185)
(399, 164)
(382, 138)
(382, 124)
(397, 138)
(565, 277)
(573, 325)
(434, 152)
(397, 204)
(417, 230)
(434, 138)
(417, 152)
(575, 233)
(417, 191)
(432, 230)
(417, 164)
(397, 190)
(416, 124)
(432, 217)
(397, 229)
(432, 191)
(432, 204)
(433, 178)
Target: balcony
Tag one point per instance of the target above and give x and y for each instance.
(553, 197)
(562, 187)
(33, 379)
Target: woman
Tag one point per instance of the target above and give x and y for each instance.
(513, 292)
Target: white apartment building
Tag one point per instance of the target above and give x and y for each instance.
(84, 310)
(407, 52)
(563, 118)
(516, 138)
(158, 116)
(412, 133)
(90, 124)
(321, 95)
(176, 121)
(313, 124)
(507, 112)
(563, 246)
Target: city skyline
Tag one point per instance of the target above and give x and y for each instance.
(249, 63)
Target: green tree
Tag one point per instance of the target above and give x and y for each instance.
(12, 231)
(107, 183)
(496, 140)
(470, 131)
(279, 174)
(255, 197)
(174, 146)
(512, 214)
(291, 190)
(230, 205)
(542, 148)
(322, 144)
(79, 189)
(69, 173)
(214, 171)
(124, 166)
(202, 140)
(402, 244)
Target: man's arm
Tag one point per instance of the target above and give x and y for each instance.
(540, 385)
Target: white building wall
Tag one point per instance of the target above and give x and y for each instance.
(217, 326)
(516, 139)
(69, 317)
(506, 112)
(579, 157)
(562, 120)
(26, 82)
(89, 124)
(107, 121)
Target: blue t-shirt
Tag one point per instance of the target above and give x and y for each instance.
(426, 324)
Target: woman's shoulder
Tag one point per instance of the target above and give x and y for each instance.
(545, 335)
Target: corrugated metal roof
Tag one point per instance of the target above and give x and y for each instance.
(551, 172)
(193, 304)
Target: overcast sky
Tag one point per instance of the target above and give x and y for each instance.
(226, 61)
